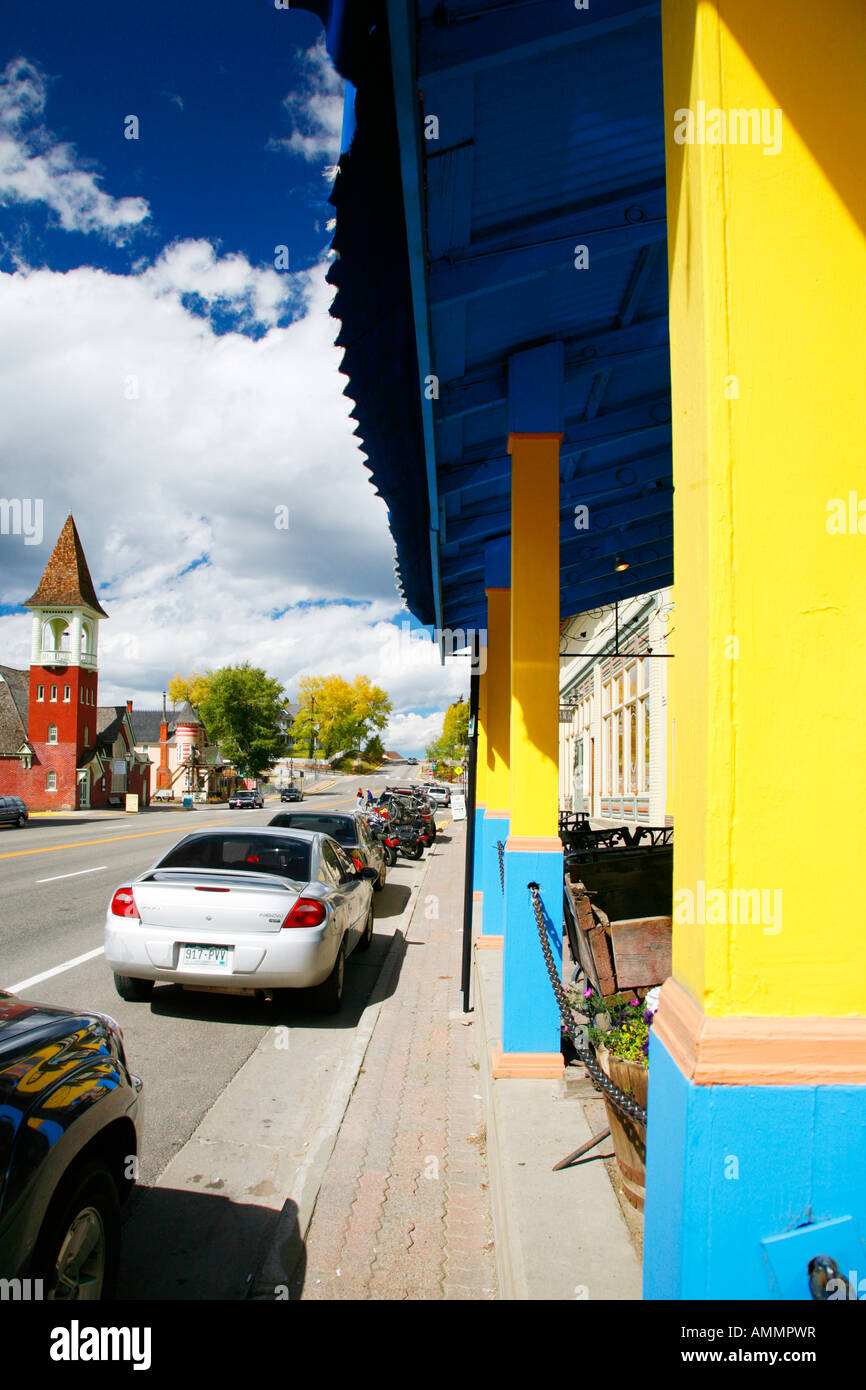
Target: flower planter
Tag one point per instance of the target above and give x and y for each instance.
(629, 1137)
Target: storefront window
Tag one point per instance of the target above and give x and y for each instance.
(625, 729)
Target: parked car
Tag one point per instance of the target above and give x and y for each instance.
(292, 793)
(70, 1111)
(257, 910)
(13, 811)
(246, 801)
(349, 829)
(439, 794)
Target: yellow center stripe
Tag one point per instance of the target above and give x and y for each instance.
(85, 844)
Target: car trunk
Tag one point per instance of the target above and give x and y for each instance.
(215, 901)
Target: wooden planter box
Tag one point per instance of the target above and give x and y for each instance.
(629, 1137)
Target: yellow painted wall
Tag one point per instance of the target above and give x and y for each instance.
(768, 350)
(534, 635)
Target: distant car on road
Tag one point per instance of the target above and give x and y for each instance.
(259, 910)
(69, 1116)
(291, 794)
(13, 811)
(246, 801)
(348, 828)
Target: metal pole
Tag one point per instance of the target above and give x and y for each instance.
(469, 785)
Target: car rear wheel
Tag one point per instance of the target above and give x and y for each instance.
(21, 822)
(133, 991)
(367, 939)
(380, 881)
(328, 996)
(78, 1248)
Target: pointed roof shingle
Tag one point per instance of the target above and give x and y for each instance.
(66, 579)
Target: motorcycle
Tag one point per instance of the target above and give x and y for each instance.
(411, 843)
(382, 830)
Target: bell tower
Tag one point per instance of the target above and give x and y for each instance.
(63, 658)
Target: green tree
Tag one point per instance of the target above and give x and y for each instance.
(452, 742)
(374, 750)
(243, 711)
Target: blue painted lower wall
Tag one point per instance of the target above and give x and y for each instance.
(730, 1167)
(478, 852)
(530, 1015)
(492, 829)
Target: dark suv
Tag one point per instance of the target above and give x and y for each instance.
(69, 1115)
(12, 811)
(246, 801)
(349, 829)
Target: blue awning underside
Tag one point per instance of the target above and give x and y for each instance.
(457, 241)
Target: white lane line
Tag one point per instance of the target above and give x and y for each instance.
(78, 872)
(58, 970)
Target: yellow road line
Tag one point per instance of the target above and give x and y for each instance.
(136, 835)
(85, 844)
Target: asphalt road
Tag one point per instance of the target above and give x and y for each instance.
(56, 879)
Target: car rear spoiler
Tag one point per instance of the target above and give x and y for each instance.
(282, 880)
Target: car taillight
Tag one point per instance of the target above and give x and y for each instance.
(307, 912)
(123, 903)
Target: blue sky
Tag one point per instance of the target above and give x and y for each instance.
(207, 83)
(163, 375)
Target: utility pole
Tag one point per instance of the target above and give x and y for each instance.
(312, 728)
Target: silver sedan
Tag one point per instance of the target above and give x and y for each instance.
(257, 909)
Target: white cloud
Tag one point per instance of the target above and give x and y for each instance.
(36, 169)
(410, 734)
(174, 446)
(255, 295)
(315, 109)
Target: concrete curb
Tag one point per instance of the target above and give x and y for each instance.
(277, 1263)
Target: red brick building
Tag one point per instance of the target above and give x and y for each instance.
(59, 749)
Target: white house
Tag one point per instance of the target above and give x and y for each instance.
(613, 750)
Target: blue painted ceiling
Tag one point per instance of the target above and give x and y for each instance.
(532, 129)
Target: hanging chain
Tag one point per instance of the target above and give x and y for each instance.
(501, 848)
(620, 1099)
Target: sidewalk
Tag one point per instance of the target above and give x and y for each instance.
(403, 1211)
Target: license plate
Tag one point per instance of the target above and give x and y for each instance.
(204, 957)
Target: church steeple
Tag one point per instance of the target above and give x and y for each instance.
(66, 579)
(63, 654)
